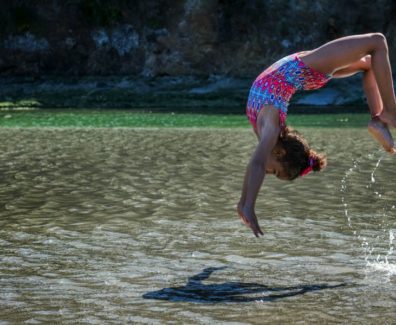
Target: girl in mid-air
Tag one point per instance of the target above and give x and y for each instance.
(284, 152)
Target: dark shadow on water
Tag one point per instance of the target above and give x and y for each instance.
(226, 292)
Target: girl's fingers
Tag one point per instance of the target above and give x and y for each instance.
(252, 224)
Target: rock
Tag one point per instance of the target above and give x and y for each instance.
(321, 97)
(26, 42)
(162, 37)
(198, 38)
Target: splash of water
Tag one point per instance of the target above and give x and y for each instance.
(378, 263)
(344, 188)
(373, 172)
(383, 265)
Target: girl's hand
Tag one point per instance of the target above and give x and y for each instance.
(249, 218)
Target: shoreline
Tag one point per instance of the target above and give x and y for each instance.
(214, 94)
(72, 118)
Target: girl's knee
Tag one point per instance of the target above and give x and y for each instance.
(379, 41)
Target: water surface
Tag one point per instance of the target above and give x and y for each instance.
(139, 226)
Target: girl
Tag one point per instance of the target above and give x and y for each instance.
(284, 152)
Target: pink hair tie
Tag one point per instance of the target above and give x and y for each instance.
(309, 168)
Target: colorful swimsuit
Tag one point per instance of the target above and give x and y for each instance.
(276, 85)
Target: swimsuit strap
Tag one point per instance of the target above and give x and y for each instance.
(282, 119)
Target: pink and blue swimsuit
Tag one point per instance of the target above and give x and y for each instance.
(276, 85)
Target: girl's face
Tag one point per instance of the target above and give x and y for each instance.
(274, 166)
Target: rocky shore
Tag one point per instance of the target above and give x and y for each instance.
(163, 53)
(214, 94)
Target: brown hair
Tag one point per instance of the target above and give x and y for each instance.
(298, 154)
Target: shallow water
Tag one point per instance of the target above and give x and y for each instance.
(102, 226)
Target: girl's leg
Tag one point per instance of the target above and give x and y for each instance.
(376, 127)
(370, 85)
(373, 96)
(341, 53)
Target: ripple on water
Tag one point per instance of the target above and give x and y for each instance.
(93, 221)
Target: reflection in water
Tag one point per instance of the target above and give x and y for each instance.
(196, 291)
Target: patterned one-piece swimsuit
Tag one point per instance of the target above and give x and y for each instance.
(276, 85)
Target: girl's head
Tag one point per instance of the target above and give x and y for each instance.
(295, 157)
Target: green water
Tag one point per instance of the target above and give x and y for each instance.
(118, 118)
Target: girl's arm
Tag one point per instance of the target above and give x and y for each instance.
(268, 131)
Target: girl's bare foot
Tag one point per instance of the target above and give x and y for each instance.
(380, 132)
(387, 118)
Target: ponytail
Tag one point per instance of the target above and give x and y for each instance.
(299, 159)
(319, 161)
(316, 162)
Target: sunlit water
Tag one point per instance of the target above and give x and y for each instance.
(121, 226)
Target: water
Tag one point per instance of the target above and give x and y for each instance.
(122, 226)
